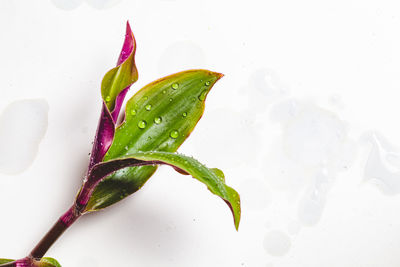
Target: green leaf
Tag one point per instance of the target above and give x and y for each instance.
(5, 261)
(49, 262)
(159, 117)
(122, 76)
(213, 178)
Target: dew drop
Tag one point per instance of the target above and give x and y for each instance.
(148, 107)
(208, 83)
(157, 120)
(142, 124)
(164, 91)
(202, 96)
(184, 114)
(175, 86)
(108, 98)
(133, 112)
(174, 134)
(170, 100)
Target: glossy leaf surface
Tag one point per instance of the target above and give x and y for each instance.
(213, 178)
(159, 117)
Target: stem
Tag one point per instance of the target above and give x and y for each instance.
(63, 223)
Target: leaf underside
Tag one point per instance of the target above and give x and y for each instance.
(159, 117)
(213, 178)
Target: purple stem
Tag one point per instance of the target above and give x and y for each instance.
(63, 223)
(56, 231)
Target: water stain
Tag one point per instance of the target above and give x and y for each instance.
(23, 124)
(312, 203)
(277, 243)
(383, 164)
(314, 146)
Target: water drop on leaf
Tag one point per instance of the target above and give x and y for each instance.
(142, 124)
(157, 120)
(174, 134)
(175, 86)
(202, 96)
(148, 107)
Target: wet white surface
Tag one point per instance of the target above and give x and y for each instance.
(382, 166)
(23, 124)
(72, 4)
(276, 243)
(303, 124)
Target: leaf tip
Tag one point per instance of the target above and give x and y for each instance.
(219, 75)
(233, 202)
(129, 45)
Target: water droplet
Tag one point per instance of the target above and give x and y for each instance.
(142, 124)
(175, 86)
(170, 100)
(157, 120)
(203, 95)
(174, 134)
(133, 112)
(208, 83)
(184, 114)
(148, 107)
(108, 98)
(164, 91)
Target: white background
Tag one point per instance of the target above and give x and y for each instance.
(338, 60)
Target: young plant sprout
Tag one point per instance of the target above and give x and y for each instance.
(127, 148)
